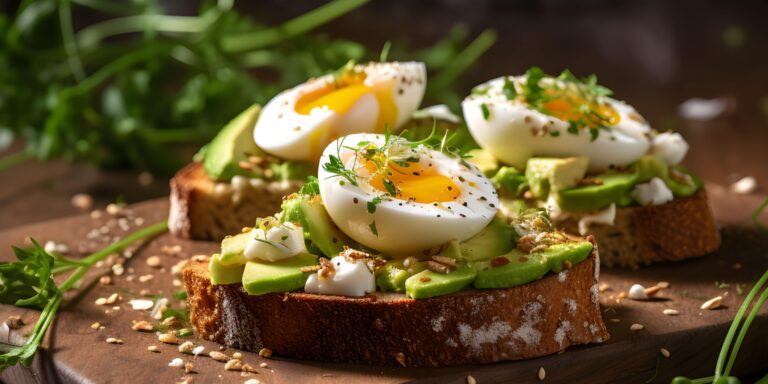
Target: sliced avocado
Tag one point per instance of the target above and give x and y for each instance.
(556, 255)
(452, 249)
(509, 181)
(496, 239)
(522, 269)
(232, 248)
(483, 160)
(318, 227)
(512, 207)
(427, 284)
(234, 143)
(609, 188)
(280, 276)
(650, 166)
(224, 274)
(392, 276)
(681, 188)
(554, 173)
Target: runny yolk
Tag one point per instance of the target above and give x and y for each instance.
(566, 108)
(341, 96)
(416, 183)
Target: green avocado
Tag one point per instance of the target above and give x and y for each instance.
(232, 248)
(483, 160)
(522, 269)
(609, 188)
(280, 276)
(495, 239)
(224, 274)
(392, 276)
(545, 174)
(509, 181)
(318, 228)
(650, 166)
(234, 143)
(427, 283)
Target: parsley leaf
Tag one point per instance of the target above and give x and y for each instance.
(372, 226)
(486, 112)
(508, 89)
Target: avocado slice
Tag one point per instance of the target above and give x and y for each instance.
(545, 174)
(495, 239)
(509, 181)
(280, 276)
(233, 247)
(610, 188)
(234, 143)
(427, 283)
(224, 274)
(483, 160)
(319, 229)
(650, 166)
(392, 276)
(522, 269)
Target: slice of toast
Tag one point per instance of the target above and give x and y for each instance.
(678, 230)
(470, 327)
(204, 209)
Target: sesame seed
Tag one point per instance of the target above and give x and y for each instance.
(664, 352)
(636, 327)
(542, 374)
(112, 340)
(218, 356)
(168, 338)
(471, 380)
(186, 347)
(671, 312)
(400, 357)
(237, 355)
(712, 303)
(154, 261)
(265, 353)
(233, 365)
(153, 348)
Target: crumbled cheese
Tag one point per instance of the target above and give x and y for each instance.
(670, 147)
(654, 192)
(439, 112)
(702, 109)
(54, 247)
(490, 333)
(637, 292)
(176, 363)
(555, 212)
(351, 278)
(745, 185)
(280, 242)
(606, 216)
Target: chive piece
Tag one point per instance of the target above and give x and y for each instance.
(743, 332)
(757, 213)
(373, 228)
(486, 112)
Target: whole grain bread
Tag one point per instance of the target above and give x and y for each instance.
(204, 209)
(641, 235)
(470, 327)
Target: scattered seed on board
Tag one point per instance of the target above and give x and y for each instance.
(154, 261)
(186, 347)
(664, 352)
(96, 325)
(176, 363)
(712, 303)
(265, 353)
(153, 348)
(636, 327)
(671, 312)
(663, 284)
(233, 365)
(218, 356)
(113, 340)
(168, 338)
(471, 380)
(237, 355)
(542, 374)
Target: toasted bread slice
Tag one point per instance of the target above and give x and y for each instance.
(204, 209)
(678, 230)
(478, 326)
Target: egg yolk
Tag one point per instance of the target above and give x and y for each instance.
(572, 108)
(345, 92)
(415, 182)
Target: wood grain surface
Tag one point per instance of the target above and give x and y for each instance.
(77, 353)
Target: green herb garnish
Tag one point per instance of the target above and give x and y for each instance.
(486, 112)
(29, 282)
(372, 226)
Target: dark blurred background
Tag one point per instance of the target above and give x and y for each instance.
(653, 54)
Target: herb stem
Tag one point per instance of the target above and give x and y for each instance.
(703, 380)
(15, 159)
(68, 38)
(756, 215)
(291, 28)
(150, 231)
(743, 331)
(92, 35)
(735, 325)
(463, 60)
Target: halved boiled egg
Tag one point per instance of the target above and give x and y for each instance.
(399, 197)
(555, 116)
(298, 123)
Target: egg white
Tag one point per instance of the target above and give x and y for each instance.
(514, 132)
(285, 133)
(406, 227)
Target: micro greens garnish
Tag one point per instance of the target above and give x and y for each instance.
(582, 95)
(29, 282)
(265, 241)
(373, 203)
(336, 166)
(372, 226)
(311, 188)
(385, 51)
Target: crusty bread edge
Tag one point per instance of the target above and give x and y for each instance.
(470, 327)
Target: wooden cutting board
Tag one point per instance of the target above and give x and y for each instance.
(76, 353)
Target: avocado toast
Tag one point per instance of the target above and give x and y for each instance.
(264, 154)
(396, 254)
(595, 163)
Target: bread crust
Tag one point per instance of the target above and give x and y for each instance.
(681, 229)
(470, 327)
(203, 209)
